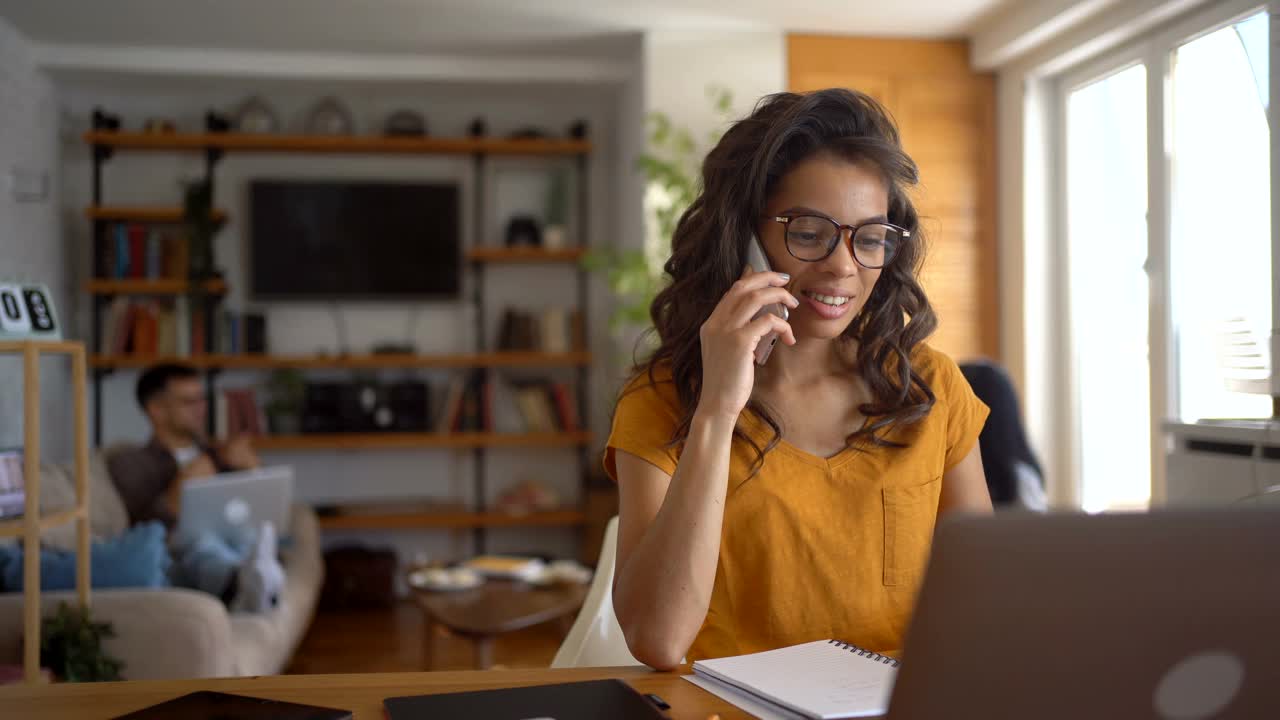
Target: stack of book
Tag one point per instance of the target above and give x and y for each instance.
(130, 250)
(152, 327)
(474, 404)
(551, 330)
(170, 328)
(236, 412)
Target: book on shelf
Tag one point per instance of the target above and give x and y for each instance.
(566, 408)
(507, 417)
(228, 338)
(553, 330)
(199, 337)
(472, 416)
(451, 410)
(136, 251)
(168, 327)
(474, 404)
(535, 409)
(255, 333)
(236, 412)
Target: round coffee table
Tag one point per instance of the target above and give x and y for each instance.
(494, 608)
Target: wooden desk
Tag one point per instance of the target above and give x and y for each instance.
(362, 694)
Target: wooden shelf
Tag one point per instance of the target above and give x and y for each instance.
(451, 520)
(143, 286)
(63, 347)
(167, 215)
(525, 254)
(16, 527)
(387, 441)
(239, 142)
(518, 359)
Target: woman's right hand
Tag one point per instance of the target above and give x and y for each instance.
(729, 338)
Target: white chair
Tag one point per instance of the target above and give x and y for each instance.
(596, 639)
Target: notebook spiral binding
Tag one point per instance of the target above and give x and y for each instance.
(863, 652)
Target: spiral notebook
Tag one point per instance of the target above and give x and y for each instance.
(822, 680)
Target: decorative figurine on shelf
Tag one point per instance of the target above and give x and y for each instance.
(103, 120)
(256, 116)
(578, 130)
(330, 117)
(406, 123)
(216, 122)
(527, 496)
(159, 126)
(523, 231)
(478, 128)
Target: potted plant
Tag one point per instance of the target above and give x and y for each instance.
(200, 226)
(286, 390)
(71, 646)
(671, 168)
(555, 234)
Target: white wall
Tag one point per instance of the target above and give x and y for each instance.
(681, 65)
(30, 242)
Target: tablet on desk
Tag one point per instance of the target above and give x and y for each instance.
(589, 700)
(208, 705)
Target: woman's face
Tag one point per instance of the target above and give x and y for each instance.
(831, 291)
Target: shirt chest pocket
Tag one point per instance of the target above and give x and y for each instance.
(909, 516)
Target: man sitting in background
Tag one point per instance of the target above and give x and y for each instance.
(149, 479)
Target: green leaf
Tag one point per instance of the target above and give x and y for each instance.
(71, 645)
(671, 161)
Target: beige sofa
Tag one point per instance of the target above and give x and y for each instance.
(172, 632)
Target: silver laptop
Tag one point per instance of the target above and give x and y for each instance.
(228, 502)
(1172, 614)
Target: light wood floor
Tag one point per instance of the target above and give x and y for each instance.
(368, 641)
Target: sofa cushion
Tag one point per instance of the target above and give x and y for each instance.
(137, 558)
(107, 516)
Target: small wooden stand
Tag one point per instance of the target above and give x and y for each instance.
(29, 526)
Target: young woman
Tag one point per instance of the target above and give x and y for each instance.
(764, 506)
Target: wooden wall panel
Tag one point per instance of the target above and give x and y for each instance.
(946, 113)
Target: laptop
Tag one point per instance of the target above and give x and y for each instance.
(13, 493)
(224, 503)
(1169, 614)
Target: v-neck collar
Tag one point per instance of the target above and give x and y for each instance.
(760, 430)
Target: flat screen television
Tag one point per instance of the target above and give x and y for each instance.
(327, 240)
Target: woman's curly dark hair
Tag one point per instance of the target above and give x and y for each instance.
(709, 250)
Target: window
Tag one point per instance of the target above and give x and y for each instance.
(1220, 252)
(1106, 251)
(1176, 122)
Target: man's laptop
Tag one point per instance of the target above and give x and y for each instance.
(226, 503)
(1172, 614)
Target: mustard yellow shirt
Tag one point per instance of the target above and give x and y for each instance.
(815, 548)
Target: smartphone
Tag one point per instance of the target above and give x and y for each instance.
(759, 263)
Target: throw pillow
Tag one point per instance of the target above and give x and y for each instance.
(136, 559)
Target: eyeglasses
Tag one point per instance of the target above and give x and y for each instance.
(813, 238)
